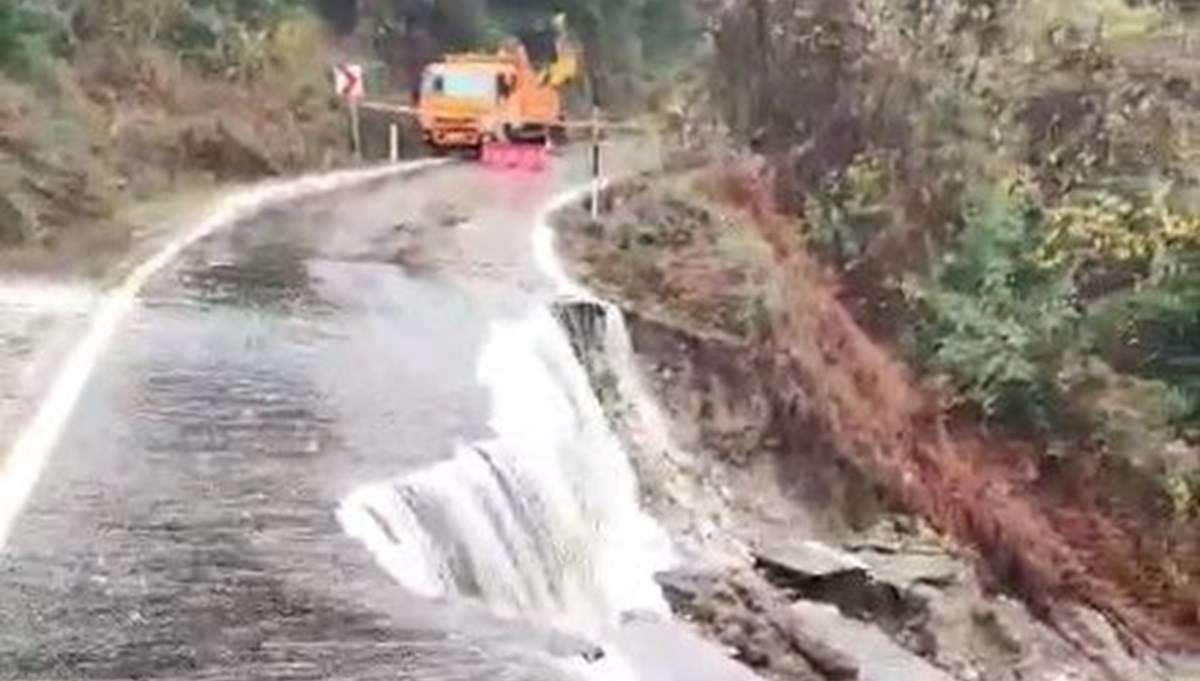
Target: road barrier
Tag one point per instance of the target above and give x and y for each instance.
(596, 128)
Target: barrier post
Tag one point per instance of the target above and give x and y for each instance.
(595, 162)
(355, 129)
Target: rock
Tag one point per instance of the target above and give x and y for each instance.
(908, 570)
(988, 622)
(1120, 655)
(702, 594)
(815, 572)
(869, 650)
(805, 560)
(906, 553)
(731, 607)
(824, 658)
(17, 223)
(660, 650)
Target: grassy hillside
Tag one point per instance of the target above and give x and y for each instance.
(106, 103)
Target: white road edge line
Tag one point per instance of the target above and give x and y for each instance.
(545, 253)
(23, 464)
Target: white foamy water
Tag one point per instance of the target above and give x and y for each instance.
(542, 520)
(45, 296)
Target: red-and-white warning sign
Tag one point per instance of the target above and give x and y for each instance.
(348, 80)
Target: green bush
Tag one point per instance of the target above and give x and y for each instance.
(242, 40)
(1184, 490)
(24, 37)
(853, 210)
(993, 318)
(1154, 332)
(1007, 324)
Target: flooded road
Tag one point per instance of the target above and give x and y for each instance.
(185, 525)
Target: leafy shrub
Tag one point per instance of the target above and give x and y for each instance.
(1184, 490)
(24, 36)
(995, 320)
(1154, 332)
(1131, 417)
(1111, 241)
(232, 38)
(853, 210)
(295, 43)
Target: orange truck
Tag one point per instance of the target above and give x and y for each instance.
(483, 102)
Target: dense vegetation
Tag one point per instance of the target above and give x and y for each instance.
(627, 41)
(1011, 187)
(102, 102)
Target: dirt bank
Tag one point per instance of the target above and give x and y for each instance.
(802, 424)
(89, 140)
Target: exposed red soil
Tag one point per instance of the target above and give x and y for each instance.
(1047, 534)
(1078, 527)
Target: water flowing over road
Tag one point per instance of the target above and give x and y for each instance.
(344, 437)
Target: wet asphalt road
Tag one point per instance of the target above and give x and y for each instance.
(184, 527)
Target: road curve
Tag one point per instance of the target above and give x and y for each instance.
(184, 524)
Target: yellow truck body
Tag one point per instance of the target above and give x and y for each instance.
(468, 100)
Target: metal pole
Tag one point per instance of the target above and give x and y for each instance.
(355, 129)
(595, 162)
(394, 142)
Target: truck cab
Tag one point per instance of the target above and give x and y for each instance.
(468, 100)
(460, 103)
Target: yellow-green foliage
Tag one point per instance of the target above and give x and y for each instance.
(139, 22)
(1104, 227)
(854, 209)
(1184, 489)
(294, 47)
(999, 158)
(1039, 22)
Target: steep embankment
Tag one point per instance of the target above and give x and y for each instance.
(847, 425)
(119, 132)
(105, 105)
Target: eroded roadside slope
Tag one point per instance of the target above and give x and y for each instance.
(805, 427)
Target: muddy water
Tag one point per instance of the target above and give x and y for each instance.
(185, 525)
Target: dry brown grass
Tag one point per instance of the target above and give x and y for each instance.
(124, 123)
(1042, 531)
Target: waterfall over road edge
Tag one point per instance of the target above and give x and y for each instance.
(593, 531)
(542, 519)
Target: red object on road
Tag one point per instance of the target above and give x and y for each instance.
(514, 156)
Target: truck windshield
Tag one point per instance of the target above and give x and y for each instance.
(473, 85)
